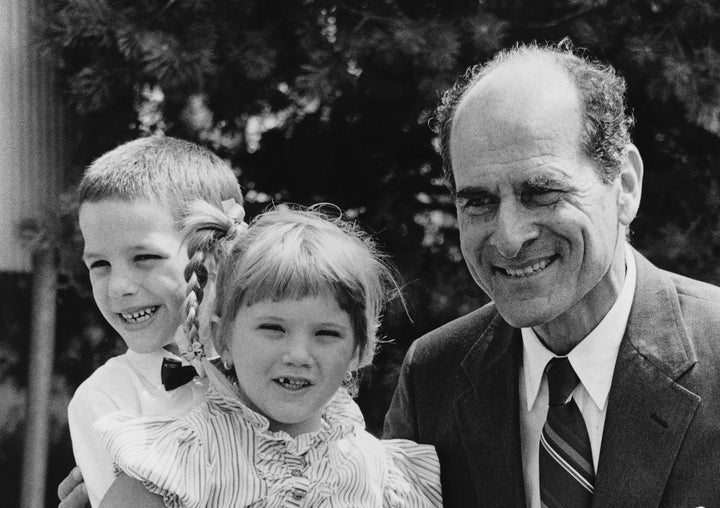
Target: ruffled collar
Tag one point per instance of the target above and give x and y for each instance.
(341, 417)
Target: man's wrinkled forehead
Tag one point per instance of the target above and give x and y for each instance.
(518, 106)
(516, 85)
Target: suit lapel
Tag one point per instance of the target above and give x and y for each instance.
(648, 412)
(488, 417)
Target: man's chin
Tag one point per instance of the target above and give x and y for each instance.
(524, 315)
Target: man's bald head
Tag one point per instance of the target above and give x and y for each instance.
(605, 133)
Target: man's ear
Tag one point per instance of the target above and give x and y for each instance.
(630, 177)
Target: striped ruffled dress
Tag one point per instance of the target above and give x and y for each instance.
(222, 454)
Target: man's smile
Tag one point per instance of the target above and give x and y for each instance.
(531, 268)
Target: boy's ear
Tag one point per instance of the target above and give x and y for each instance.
(214, 323)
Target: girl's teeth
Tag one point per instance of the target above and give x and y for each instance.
(291, 383)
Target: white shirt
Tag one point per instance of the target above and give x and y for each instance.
(129, 382)
(593, 360)
(223, 454)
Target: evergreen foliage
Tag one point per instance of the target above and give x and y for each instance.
(329, 100)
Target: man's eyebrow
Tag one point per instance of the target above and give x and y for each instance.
(471, 192)
(544, 180)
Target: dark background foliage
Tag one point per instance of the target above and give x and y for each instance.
(322, 100)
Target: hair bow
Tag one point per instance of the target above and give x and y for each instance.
(233, 210)
(236, 213)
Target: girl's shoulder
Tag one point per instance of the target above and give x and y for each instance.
(413, 474)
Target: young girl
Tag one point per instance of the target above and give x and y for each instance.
(297, 308)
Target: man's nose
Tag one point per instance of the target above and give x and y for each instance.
(515, 226)
(122, 283)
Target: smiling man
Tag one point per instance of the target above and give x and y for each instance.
(592, 377)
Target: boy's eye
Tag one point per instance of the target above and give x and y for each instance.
(100, 263)
(272, 327)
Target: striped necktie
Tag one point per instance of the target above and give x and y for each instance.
(567, 476)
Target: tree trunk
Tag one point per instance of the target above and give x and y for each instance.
(42, 349)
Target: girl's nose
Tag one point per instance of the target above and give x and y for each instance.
(298, 352)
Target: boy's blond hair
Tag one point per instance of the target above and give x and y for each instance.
(168, 171)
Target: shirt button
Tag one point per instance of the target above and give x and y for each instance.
(298, 495)
(296, 472)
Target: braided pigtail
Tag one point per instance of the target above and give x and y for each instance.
(207, 230)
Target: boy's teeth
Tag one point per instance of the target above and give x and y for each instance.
(139, 316)
(528, 270)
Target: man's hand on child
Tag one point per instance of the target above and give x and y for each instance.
(72, 491)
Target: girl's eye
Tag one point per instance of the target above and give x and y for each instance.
(328, 333)
(146, 257)
(100, 263)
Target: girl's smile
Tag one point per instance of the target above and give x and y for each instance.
(290, 358)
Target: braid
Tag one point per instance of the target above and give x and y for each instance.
(207, 228)
(196, 276)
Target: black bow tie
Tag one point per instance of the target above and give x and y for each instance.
(174, 374)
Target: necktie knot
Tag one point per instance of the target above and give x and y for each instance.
(562, 380)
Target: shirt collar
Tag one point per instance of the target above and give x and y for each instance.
(594, 357)
(341, 417)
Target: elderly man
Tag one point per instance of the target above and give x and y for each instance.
(592, 377)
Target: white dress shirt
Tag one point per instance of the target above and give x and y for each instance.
(593, 360)
(128, 382)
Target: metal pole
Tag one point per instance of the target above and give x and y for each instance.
(42, 349)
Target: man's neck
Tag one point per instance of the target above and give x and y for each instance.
(566, 331)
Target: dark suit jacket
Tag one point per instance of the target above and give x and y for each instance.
(458, 390)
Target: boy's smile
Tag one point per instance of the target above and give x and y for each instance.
(136, 259)
(139, 316)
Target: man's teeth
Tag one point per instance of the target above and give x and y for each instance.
(139, 316)
(528, 270)
(293, 383)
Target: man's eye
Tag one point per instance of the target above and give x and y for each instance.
(542, 196)
(477, 205)
(100, 263)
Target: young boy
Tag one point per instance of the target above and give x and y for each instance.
(132, 202)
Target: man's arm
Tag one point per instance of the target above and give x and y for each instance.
(400, 420)
(72, 492)
(126, 491)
